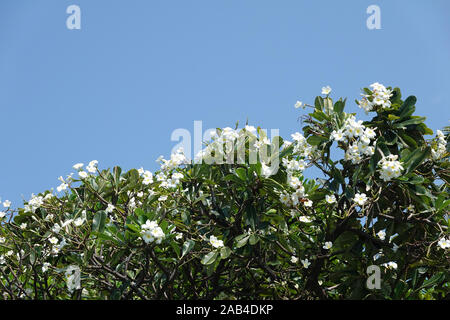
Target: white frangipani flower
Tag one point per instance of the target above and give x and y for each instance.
(330, 199)
(78, 166)
(444, 243)
(216, 243)
(328, 245)
(53, 240)
(305, 263)
(326, 90)
(299, 104)
(390, 265)
(45, 266)
(83, 174)
(360, 198)
(381, 234)
(305, 219)
(110, 208)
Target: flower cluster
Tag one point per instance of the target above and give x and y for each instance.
(379, 97)
(441, 149)
(167, 176)
(358, 138)
(152, 232)
(301, 147)
(36, 202)
(390, 168)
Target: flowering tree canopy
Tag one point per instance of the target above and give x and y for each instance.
(243, 221)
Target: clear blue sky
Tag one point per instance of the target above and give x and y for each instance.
(116, 89)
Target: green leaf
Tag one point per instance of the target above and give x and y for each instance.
(435, 279)
(318, 103)
(241, 173)
(416, 158)
(393, 117)
(210, 257)
(98, 223)
(117, 171)
(415, 120)
(133, 227)
(241, 240)
(316, 140)
(225, 252)
(251, 217)
(339, 106)
(407, 107)
(253, 239)
(187, 247)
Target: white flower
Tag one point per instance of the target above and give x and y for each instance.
(78, 166)
(78, 221)
(215, 242)
(151, 232)
(2, 214)
(148, 177)
(328, 245)
(294, 182)
(294, 259)
(158, 234)
(390, 168)
(149, 225)
(305, 263)
(395, 247)
(7, 203)
(23, 226)
(53, 240)
(444, 243)
(381, 234)
(45, 266)
(378, 255)
(63, 186)
(308, 203)
(2, 239)
(179, 236)
(305, 219)
(73, 278)
(250, 129)
(330, 199)
(83, 174)
(360, 198)
(390, 265)
(285, 198)
(298, 104)
(92, 166)
(337, 135)
(326, 90)
(147, 236)
(110, 208)
(266, 170)
(56, 228)
(2, 260)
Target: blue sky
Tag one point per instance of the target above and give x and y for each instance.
(137, 70)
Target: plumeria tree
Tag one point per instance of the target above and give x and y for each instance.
(244, 221)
